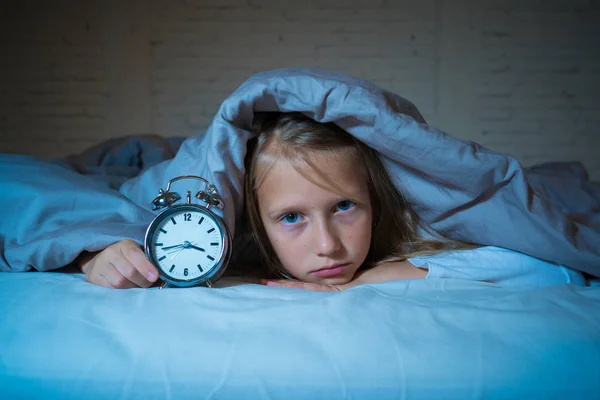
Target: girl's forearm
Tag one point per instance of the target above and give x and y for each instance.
(390, 271)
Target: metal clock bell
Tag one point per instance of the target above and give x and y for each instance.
(188, 243)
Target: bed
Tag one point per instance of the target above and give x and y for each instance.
(61, 337)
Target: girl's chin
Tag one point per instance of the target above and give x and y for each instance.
(335, 280)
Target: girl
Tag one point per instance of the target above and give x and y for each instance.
(326, 216)
(323, 210)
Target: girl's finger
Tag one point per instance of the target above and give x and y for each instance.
(136, 257)
(98, 273)
(116, 279)
(97, 279)
(127, 275)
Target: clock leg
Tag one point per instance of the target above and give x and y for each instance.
(164, 285)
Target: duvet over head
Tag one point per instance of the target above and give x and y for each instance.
(460, 189)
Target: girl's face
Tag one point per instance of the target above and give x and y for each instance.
(318, 235)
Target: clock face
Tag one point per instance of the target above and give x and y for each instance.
(186, 243)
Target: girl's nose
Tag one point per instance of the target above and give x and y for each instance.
(327, 241)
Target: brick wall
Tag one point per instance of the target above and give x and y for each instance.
(538, 80)
(521, 77)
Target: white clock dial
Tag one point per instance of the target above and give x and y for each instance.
(187, 244)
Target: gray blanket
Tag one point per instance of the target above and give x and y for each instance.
(51, 211)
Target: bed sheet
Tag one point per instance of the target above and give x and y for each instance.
(63, 338)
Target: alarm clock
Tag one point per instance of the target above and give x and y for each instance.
(188, 243)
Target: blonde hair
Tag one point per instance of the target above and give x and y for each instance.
(396, 231)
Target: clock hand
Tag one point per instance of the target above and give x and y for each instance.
(178, 248)
(176, 254)
(171, 251)
(171, 247)
(185, 245)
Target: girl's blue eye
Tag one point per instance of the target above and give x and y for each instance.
(345, 205)
(290, 218)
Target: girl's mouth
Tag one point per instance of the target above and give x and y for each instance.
(331, 271)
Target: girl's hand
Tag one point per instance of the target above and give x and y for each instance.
(294, 284)
(121, 265)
